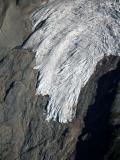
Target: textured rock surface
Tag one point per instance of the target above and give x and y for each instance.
(24, 132)
(114, 151)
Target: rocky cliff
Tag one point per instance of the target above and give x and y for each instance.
(24, 132)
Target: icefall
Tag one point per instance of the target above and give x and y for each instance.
(69, 38)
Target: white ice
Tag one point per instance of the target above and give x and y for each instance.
(69, 38)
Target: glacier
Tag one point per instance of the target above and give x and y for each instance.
(69, 38)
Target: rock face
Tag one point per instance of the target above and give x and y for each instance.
(24, 132)
(98, 132)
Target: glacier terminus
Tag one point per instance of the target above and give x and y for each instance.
(69, 38)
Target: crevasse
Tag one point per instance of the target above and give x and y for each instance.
(69, 38)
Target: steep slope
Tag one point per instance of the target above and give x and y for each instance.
(24, 132)
(69, 39)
